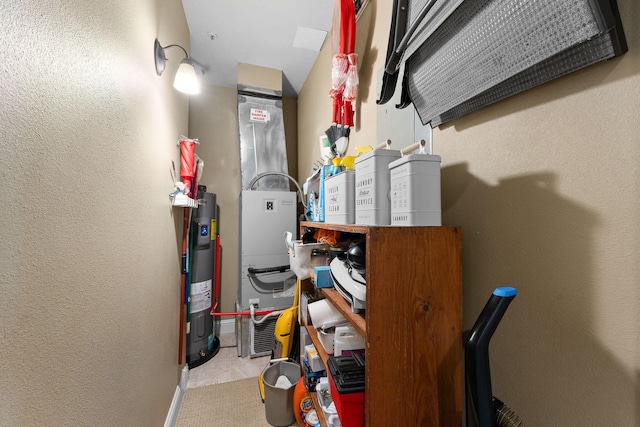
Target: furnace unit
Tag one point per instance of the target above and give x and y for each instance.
(267, 210)
(266, 282)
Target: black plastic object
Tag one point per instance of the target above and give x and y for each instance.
(278, 269)
(398, 28)
(307, 236)
(478, 372)
(357, 255)
(405, 96)
(348, 372)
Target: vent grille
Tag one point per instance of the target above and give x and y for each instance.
(262, 337)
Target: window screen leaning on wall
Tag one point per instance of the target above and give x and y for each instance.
(461, 56)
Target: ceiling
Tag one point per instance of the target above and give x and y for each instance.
(257, 32)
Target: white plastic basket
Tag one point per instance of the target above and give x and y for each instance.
(304, 256)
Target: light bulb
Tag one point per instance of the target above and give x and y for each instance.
(186, 80)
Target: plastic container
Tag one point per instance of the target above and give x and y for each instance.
(346, 381)
(415, 190)
(373, 203)
(323, 393)
(278, 402)
(340, 202)
(304, 256)
(302, 402)
(311, 378)
(327, 339)
(333, 421)
(322, 276)
(347, 341)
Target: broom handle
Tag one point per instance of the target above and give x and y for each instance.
(183, 284)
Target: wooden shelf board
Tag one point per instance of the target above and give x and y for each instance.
(316, 405)
(344, 307)
(347, 228)
(313, 334)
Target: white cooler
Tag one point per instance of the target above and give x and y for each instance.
(415, 190)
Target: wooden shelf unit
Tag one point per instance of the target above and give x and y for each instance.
(412, 324)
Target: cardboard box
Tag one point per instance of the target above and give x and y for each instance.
(315, 362)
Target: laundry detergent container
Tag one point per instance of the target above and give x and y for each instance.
(346, 381)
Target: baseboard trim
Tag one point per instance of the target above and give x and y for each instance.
(227, 326)
(172, 416)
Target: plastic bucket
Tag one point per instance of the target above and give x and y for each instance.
(278, 402)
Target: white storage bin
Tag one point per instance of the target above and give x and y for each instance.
(304, 256)
(372, 185)
(339, 198)
(415, 190)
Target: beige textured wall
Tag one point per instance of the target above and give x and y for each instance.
(256, 76)
(89, 263)
(213, 119)
(545, 187)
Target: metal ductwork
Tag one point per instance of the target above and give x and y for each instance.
(461, 55)
(262, 140)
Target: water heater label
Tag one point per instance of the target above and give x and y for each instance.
(200, 296)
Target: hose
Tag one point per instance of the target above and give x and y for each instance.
(262, 175)
(265, 317)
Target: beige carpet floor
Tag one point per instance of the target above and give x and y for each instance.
(230, 404)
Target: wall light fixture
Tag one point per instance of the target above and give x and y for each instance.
(186, 80)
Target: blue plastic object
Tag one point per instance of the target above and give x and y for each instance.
(323, 276)
(506, 291)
